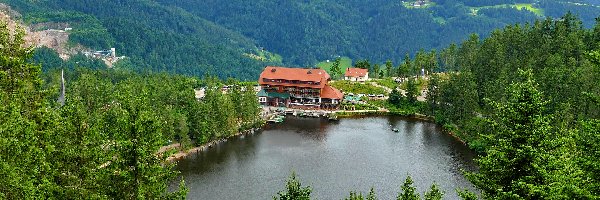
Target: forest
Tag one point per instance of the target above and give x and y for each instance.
(526, 99)
(101, 140)
(225, 38)
(156, 38)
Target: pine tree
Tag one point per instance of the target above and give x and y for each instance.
(409, 192)
(355, 196)
(412, 90)
(371, 195)
(294, 190)
(376, 71)
(434, 193)
(388, 68)
(363, 64)
(526, 157)
(335, 69)
(433, 93)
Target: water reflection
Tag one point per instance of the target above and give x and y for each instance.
(334, 158)
(313, 128)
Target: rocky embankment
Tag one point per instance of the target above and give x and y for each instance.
(51, 35)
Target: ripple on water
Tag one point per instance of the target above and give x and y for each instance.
(334, 158)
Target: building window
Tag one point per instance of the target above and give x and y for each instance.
(262, 99)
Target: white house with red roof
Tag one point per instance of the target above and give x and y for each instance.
(297, 88)
(356, 74)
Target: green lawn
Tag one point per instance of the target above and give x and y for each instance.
(387, 82)
(264, 56)
(357, 88)
(345, 62)
(519, 6)
(528, 6)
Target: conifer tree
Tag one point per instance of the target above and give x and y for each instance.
(409, 192)
(294, 190)
(434, 193)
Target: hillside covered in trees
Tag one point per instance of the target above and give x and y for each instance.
(526, 99)
(102, 140)
(155, 37)
(237, 38)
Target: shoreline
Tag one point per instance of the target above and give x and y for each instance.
(414, 116)
(342, 114)
(184, 153)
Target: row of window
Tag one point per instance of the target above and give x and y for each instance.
(291, 81)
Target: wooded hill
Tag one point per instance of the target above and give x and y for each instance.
(227, 38)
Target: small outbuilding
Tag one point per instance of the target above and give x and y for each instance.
(356, 74)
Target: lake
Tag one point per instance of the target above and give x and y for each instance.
(333, 157)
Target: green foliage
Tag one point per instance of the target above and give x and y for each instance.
(527, 158)
(386, 82)
(405, 67)
(588, 144)
(433, 93)
(409, 192)
(395, 97)
(357, 88)
(466, 194)
(343, 64)
(181, 37)
(48, 58)
(434, 193)
(75, 150)
(532, 146)
(388, 68)
(458, 98)
(104, 142)
(355, 196)
(363, 64)
(335, 69)
(412, 90)
(294, 190)
(156, 37)
(378, 31)
(359, 196)
(371, 195)
(86, 30)
(376, 73)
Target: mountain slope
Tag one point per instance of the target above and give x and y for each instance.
(156, 37)
(229, 38)
(308, 31)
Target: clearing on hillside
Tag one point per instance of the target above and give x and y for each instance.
(345, 62)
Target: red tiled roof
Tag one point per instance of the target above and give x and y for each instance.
(331, 93)
(294, 74)
(356, 72)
